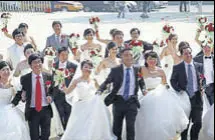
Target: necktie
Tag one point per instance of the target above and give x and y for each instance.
(207, 57)
(58, 40)
(127, 84)
(190, 88)
(38, 97)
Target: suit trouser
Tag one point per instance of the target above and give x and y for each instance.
(128, 110)
(210, 93)
(195, 116)
(64, 110)
(185, 6)
(39, 120)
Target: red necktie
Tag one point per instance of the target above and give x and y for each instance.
(38, 97)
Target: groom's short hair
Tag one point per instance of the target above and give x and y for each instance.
(33, 57)
(63, 49)
(125, 49)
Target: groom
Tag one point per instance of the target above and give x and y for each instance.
(126, 83)
(38, 97)
(186, 77)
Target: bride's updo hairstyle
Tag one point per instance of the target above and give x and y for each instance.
(111, 45)
(88, 31)
(171, 36)
(183, 44)
(152, 55)
(90, 63)
(4, 64)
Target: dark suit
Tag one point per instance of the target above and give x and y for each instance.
(63, 107)
(121, 107)
(179, 83)
(209, 90)
(35, 119)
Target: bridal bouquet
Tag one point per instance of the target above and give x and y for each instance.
(209, 28)
(94, 22)
(4, 21)
(50, 53)
(137, 49)
(73, 41)
(167, 30)
(95, 56)
(202, 20)
(202, 81)
(61, 74)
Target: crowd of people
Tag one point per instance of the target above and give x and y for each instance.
(155, 94)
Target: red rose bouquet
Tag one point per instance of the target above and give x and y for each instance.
(94, 22)
(4, 21)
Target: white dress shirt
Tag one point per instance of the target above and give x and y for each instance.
(59, 37)
(208, 70)
(195, 84)
(62, 65)
(34, 81)
(132, 82)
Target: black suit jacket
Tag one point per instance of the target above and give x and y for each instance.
(179, 78)
(116, 77)
(26, 82)
(58, 95)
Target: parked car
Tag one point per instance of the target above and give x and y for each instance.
(66, 6)
(98, 6)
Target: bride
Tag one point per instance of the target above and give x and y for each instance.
(13, 125)
(160, 116)
(90, 119)
(169, 56)
(105, 65)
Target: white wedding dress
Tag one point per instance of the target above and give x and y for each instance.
(207, 131)
(167, 65)
(13, 125)
(90, 118)
(161, 115)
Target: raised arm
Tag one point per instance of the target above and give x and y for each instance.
(100, 67)
(198, 32)
(33, 42)
(105, 41)
(8, 35)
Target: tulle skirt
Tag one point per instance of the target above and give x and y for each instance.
(13, 125)
(207, 131)
(161, 116)
(89, 120)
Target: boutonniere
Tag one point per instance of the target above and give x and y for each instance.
(202, 81)
(48, 85)
(63, 37)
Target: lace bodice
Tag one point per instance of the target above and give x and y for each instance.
(85, 90)
(152, 83)
(5, 96)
